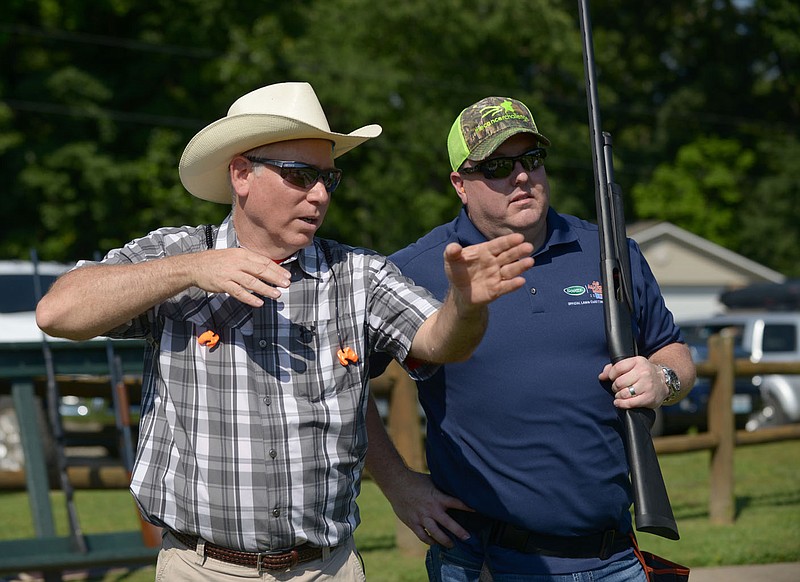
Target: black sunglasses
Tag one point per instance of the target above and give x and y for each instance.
(502, 167)
(303, 175)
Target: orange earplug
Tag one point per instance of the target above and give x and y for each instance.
(347, 356)
(208, 339)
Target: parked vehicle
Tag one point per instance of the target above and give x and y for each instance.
(692, 411)
(761, 336)
(18, 326)
(766, 296)
(18, 300)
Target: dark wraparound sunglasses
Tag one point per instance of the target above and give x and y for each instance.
(303, 175)
(502, 167)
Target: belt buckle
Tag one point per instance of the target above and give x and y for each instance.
(293, 554)
(295, 557)
(608, 544)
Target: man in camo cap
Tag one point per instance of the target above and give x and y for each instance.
(526, 432)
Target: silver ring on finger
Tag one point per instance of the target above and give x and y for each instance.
(632, 390)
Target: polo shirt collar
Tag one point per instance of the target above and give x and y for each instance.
(559, 231)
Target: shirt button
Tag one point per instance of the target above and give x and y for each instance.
(533, 290)
(276, 512)
(262, 343)
(267, 400)
(273, 453)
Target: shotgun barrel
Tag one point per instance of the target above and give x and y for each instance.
(652, 509)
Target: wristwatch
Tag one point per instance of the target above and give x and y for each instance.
(673, 383)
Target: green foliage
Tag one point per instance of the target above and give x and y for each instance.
(702, 191)
(98, 99)
(771, 207)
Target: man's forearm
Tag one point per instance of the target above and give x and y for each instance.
(383, 461)
(92, 300)
(413, 496)
(452, 333)
(478, 275)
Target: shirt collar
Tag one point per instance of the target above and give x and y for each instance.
(309, 259)
(559, 231)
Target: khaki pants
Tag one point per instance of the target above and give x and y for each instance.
(177, 563)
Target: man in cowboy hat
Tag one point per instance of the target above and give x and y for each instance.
(252, 435)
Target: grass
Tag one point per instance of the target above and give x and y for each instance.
(767, 498)
(767, 526)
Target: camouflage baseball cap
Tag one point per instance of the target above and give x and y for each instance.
(483, 126)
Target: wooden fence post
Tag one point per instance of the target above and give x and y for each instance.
(721, 423)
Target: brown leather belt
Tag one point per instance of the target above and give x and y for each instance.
(259, 560)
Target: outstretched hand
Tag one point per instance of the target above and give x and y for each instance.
(481, 273)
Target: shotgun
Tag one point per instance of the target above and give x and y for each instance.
(652, 509)
(53, 402)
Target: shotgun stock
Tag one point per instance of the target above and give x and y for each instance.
(652, 509)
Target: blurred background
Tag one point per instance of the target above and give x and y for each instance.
(99, 97)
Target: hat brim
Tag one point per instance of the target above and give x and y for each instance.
(203, 168)
(487, 148)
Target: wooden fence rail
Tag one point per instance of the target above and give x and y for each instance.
(405, 427)
(722, 437)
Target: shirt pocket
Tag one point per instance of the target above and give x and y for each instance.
(307, 356)
(187, 320)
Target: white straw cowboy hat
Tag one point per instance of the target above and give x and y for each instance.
(274, 113)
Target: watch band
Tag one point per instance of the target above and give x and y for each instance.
(673, 384)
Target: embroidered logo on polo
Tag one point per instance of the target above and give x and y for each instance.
(575, 290)
(589, 293)
(595, 290)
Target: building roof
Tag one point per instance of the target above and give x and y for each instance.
(680, 258)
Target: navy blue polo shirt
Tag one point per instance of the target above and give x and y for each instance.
(524, 431)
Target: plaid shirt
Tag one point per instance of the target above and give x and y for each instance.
(258, 444)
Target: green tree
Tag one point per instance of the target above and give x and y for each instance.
(412, 67)
(694, 73)
(106, 95)
(98, 99)
(702, 191)
(771, 208)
